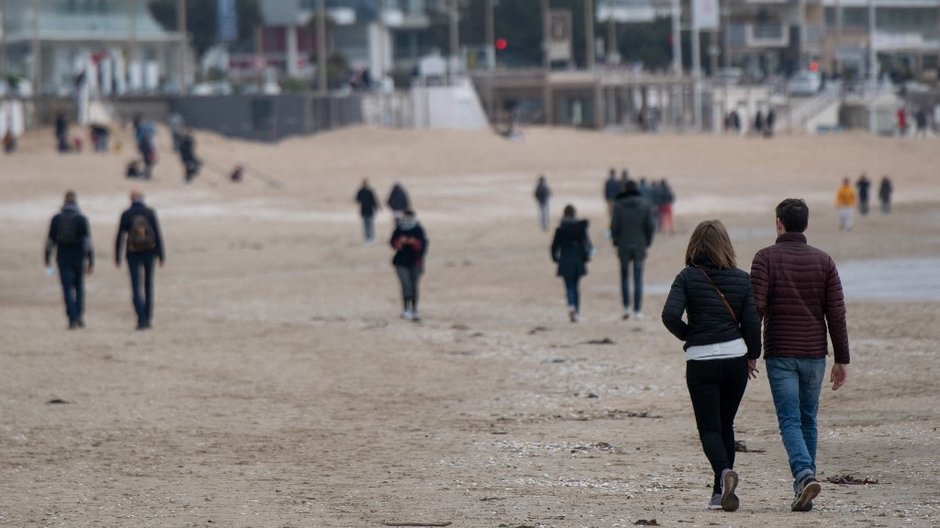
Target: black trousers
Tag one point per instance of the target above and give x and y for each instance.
(716, 387)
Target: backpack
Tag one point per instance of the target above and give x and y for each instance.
(67, 231)
(140, 236)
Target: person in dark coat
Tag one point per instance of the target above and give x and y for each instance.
(769, 123)
(631, 231)
(410, 245)
(187, 150)
(612, 188)
(884, 194)
(368, 205)
(571, 250)
(70, 237)
(542, 194)
(863, 185)
(759, 123)
(800, 299)
(398, 202)
(721, 336)
(144, 244)
(62, 132)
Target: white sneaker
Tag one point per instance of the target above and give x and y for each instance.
(573, 314)
(638, 316)
(626, 314)
(407, 315)
(415, 317)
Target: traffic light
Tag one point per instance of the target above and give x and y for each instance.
(501, 44)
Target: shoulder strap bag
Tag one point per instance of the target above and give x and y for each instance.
(723, 299)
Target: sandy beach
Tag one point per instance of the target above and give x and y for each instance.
(278, 387)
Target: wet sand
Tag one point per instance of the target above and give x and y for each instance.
(279, 388)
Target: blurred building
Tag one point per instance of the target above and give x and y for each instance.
(114, 45)
(375, 40)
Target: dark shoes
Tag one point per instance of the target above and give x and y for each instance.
(143, 326)
(808, 490)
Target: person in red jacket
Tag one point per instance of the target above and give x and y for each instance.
(799, 295)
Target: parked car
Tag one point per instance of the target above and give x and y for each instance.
(804, 84)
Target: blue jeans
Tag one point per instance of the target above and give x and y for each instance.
(637, 282)
(72, 277)
(543, 216)
(571, 290)
(795, 384)
(143, 300)
(368, 227)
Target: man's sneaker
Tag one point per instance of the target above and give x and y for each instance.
(809, 489)
(729, 481)
(715, 503)
(626, 313)
(573, 314)
(416, 317)
(407, 315)
(638, 316)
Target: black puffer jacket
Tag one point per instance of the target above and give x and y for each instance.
(708, 319)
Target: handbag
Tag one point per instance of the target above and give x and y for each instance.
(723, 299)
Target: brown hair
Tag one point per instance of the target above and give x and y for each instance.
(710, 239)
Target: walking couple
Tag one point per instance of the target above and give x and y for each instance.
(795, 289)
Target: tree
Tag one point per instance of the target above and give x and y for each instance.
(201, 21)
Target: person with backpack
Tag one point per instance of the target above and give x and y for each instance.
(140, 230)
(70, 236)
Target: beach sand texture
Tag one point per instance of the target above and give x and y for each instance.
(278, 387)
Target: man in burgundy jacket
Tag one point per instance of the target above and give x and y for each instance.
(799, 295)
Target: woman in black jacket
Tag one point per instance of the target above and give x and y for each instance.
(722, 344)
(571, 249)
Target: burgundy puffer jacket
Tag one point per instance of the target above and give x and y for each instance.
(798, 293)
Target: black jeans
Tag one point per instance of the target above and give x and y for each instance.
(716, 387)
(143, 300)
(72, 275)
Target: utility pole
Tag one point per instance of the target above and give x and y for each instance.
(838, 51)
(489, 21)
(589, 46)
(321, 48)
(37, 51)
(696, 73)
(613, 54)
(872, 69)
(3, 37)
(545, 60)
(454, 38)
(677, 38)
(181, 27)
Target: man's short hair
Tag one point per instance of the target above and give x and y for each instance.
(793, 214)
(70, 197)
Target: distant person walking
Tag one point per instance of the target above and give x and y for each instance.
(368, 205)
(920, 119)
(770, 123)
(902, 121)
(612, 188)
(411, 245)
(62, 132)
(884, 194)
(177, 130)
(140, 230)
(631, 231)
(722, 342)
(759, 123)
(862, 185)
(187, 150)
(799, 296)
(845, 202)
(398, 202)
(571, 250)
(145, 134)
(668, 198)
(542, 195)
(70, 237)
